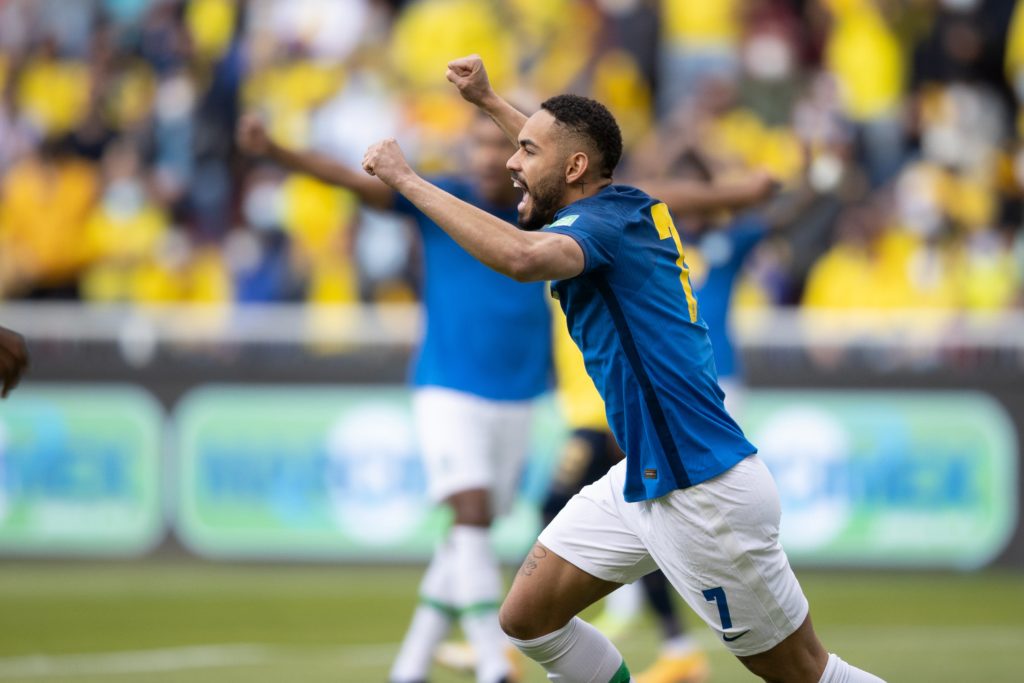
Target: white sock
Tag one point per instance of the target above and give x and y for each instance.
(625, 603)
(576, 653)
(477, 591)
(430, 622)
(838, 671)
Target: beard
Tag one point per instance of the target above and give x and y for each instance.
(544, 201)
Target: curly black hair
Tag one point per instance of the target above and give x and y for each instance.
(593, 121)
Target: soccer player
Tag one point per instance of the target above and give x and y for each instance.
(691, 496)
(14, 360)
(484, 357)
(591, 449)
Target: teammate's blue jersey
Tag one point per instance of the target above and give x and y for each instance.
(635, 318)
(486, 334)
(722, 253)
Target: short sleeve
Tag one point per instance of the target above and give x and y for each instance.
(598, 238)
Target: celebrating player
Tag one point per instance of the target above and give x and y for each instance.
(591, 449)
(691, 496)
(485, 355)
(13, 360)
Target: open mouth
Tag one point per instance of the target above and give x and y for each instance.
(520, 185)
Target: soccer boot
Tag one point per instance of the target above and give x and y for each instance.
(692, 667)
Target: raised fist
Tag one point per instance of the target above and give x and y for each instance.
(763, 186)
(386, 161)
(251, 135)
(470, 77)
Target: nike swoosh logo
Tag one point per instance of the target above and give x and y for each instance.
(729, 639)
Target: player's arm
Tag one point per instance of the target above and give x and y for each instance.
(14, 360)
(685, 196)
(470, 77)
(524, 256)
(253, 139)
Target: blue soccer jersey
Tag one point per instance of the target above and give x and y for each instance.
(635, 318)
(486, 334)
(721, 253)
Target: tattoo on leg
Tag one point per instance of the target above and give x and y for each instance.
(537, 554)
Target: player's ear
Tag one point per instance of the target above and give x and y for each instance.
(576, 167)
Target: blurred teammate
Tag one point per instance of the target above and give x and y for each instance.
(14, 360)
(485, 356)
(691, 496)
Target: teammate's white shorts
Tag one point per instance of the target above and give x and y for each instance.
(717, 542)
(470, 442)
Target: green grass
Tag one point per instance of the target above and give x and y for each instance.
(342, 623)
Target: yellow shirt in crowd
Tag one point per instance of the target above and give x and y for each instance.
(865, 56)
(581, 405)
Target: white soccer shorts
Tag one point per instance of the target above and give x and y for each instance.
(717, 542)
(470, 442)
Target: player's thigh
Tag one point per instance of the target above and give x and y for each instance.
(717, 542)
(509, 431)
(587, 551)
(452, 430)
(597, 532)
(547, 592)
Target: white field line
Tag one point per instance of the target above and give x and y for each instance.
(966, 638)
(182, 658)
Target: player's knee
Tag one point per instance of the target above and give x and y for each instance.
(510, 620)
(471, 508)
(518, 622)
(472, 517)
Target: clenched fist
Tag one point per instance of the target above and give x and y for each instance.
(386, 161)
(13, 359)
(762, 185)
(470, 77)
(251, 135)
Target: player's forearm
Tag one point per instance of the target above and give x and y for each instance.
(686, 196)
(370, 190)
(523, 256)
(508, 118)
(491, 240)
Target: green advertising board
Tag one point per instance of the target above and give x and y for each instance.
(866, 478)
(305, 472)
(889, 478)
(80, 471)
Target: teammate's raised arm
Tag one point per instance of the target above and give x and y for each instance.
(685, 196)
(253, 139)
(13, 360)
(470, 77)
(522, 255)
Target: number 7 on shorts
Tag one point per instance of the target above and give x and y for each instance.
(717, 596)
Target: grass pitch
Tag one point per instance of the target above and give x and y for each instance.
(190, 621)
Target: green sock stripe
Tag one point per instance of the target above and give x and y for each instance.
(622, 675)
(446, 609)
(480, 607)
(454, 612)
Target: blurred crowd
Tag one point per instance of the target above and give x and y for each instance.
(895, 126)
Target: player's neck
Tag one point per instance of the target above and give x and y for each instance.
(584, 189)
